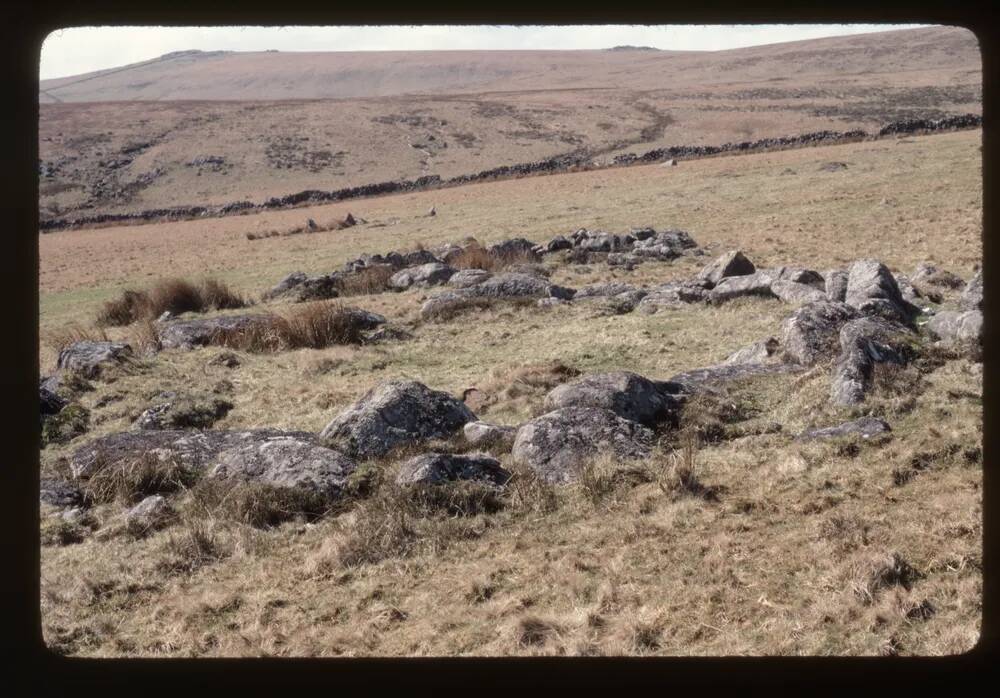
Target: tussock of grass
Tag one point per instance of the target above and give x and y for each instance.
(175, 295)
(193, 545)
(129, 481)
(475, 256)
(309, 325)
(71, 333)
(255, 504)
(365, 282)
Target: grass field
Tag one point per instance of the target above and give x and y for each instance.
(781, 562)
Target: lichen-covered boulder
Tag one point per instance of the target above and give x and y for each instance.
(287, 461)
(50, 402)
(699, 378)
(627, 394)
(674, 294)
(732, 263)
(440, 468)
(423, 276)
(794, 292)
(515, 248)
(394, 413)
(489, 436)
(836, 285)
(664, 245)
(194, 450)
(813, 331)
(558, 444)
(870, 285)
(463, 278)
(972, 297)
(756, 284)
(865, 343)
(200, 332)
(150, 514)
(953, 325)
(89, 359)
(299, 287)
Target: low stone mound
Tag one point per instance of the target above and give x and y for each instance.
(195, 450)
(440, 468)
(866, 427)
(674, 294)
(732, 263)
(89, 358)
(557, 444)
(813, 330)
(604, 290)
(866, 342)
(665, 245)
(396, 260)
(627, 394)
(423, 276)
(500, 286)
(287, 461)
(172, 410)
(392, 414)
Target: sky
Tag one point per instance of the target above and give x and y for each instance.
(77, 50)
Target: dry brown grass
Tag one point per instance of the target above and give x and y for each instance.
(252, 503)
(173, 295)
(309, 325)
(60, 338)
(768, 569)
(132, 480)
(367, 281)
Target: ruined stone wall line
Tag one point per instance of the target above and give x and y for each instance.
(555, 165)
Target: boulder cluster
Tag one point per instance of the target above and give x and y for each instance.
(847, 321)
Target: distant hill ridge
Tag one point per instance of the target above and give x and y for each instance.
(280, 75)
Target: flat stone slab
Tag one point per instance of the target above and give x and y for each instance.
(196, 450)
(287, 461)
(866, 427)
(724, 373)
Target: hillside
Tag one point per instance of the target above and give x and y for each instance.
(735, 536)
(216, 127)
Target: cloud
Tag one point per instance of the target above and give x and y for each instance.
(79, 50)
